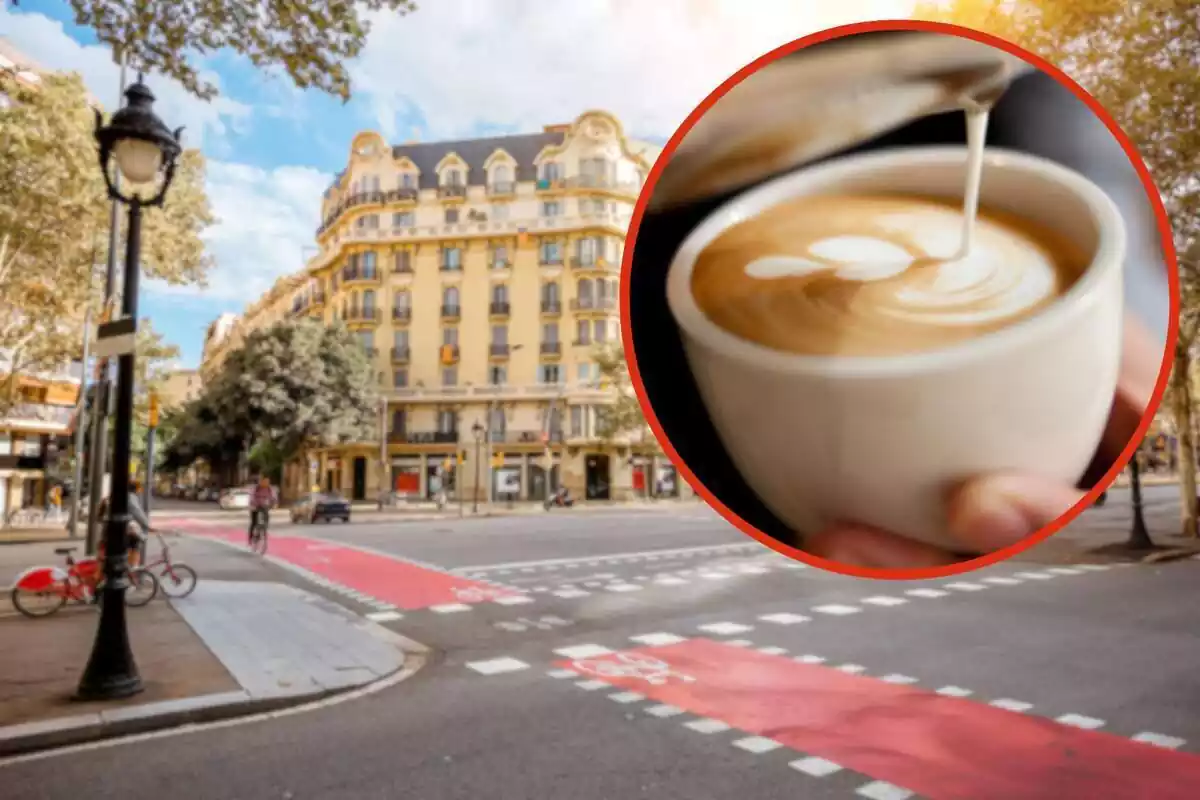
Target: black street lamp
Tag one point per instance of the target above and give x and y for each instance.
(478, 430)
(1139, 534)
(145, 151)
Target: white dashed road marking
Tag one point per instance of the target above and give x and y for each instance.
(837, 610)
(657, 639)
(1159, 740)
(784, 618)
(757, 744)
(497, 666)
(706, 725)
(1080, 721)
(1012, 705)
(816, 767)
(583, 651)
(725, 628)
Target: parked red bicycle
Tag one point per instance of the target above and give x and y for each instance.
(176, 579)
(41, 591)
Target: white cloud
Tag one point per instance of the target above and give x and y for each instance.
(526, 63)
(44, 40)
(265, 220)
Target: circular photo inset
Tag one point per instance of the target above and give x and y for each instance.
(900, 299)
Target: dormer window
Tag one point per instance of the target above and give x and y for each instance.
(452, 177)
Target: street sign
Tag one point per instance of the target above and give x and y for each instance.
(116, 338)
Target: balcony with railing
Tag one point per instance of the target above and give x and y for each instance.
(401, 355)
(402, 265)
(359, 274)
(551, 307)
(362, 316)
(499, 308)
(430, 437)
(594, 304)
(452, 191)
(502, 189)
(499, 351)
(402, 315)
(527, 436)
(499, 262)
(550, 259)
(594, 263)
(606, 182)
(551, 349)
(35, 415)
(451, 312)
(450, 266)
(550, 184)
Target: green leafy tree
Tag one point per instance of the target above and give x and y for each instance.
(1138, 58)
(622, 418)
(307, 39)
(296, 386)
(54, 218)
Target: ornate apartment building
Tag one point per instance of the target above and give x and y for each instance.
(481, 276)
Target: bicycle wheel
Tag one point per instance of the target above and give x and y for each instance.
(143, 587)
(177, 581)
(53, 598)
(259, 544)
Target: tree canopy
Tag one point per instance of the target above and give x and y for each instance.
(54, 219)
(289, 388)
(307, 39)
(623, 416)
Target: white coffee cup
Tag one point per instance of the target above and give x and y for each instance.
(880, 440)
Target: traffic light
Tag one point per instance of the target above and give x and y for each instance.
(497, 461)
(153, 409)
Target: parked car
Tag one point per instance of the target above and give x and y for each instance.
(320, 507)
(211, 495)
(235, 499)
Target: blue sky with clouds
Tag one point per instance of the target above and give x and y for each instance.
(452, 69)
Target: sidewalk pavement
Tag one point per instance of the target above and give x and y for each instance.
(232, 648)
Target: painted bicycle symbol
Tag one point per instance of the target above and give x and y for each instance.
(478, 594)
(654, 671)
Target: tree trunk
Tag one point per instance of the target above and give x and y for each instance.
(1181, 396)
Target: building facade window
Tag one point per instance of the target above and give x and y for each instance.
(583, 293)
(452, 258)
(400, 377)
(402, 261)
(451, 215)
(500, 335)
(549, 373)
(452, 177)
(450, 336)
(551, 208)
(499, 293)
(551, 252)
(577, 421)
(500, 212)
(583, 372)
(550, 332)
(450, 376)
(450, 298)
(600, 331)
(447, 420)
(583, 332)
(550, 171)
(366, 339)
(497, 375)
(499, 257)
(403, 219)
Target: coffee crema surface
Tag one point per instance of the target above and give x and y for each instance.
(877, 275)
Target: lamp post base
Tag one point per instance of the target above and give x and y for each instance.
(111, 672)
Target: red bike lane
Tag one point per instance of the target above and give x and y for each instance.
(389, 579)
(940, 747)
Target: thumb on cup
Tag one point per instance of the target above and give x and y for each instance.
(992, 512)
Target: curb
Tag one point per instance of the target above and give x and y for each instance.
(45, 736)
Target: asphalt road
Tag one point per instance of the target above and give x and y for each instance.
(762, 679)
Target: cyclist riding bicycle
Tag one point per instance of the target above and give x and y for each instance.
(262, 500)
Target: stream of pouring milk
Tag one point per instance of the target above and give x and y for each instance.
(977, 121)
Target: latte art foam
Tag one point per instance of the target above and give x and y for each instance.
(876, 275)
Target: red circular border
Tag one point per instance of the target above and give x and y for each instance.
(1164, 227)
